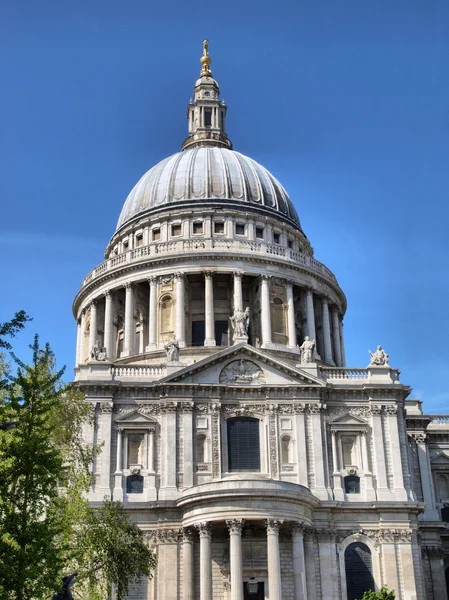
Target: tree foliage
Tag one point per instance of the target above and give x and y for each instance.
(47, 528)
(11, 328)
(382, 594)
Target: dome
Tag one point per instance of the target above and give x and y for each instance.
(212, 174)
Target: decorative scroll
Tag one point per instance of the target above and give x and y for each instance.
(273, 439)
(216, 440)
(235, 525)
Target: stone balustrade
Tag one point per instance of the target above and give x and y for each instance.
(439, 421)
(156, 249)
(332, 373)
(147, 372)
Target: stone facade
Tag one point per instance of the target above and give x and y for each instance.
(256, 469)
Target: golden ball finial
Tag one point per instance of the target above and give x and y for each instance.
(205, 60)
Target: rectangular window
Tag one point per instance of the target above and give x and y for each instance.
(207, 117)
(243, 444)
(240, 229)
(198, 333)
(198, 228)
(290, 244)
(218, 227)
(139, 240)
(125, 245)
(176, 230)
(276, 238)
(156, 234)
(259, 233)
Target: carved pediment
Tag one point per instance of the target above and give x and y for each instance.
(134, 418)
(441, 459)
(348, 420)
(243, 365)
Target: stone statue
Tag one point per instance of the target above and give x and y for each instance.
(98, 352)
(172, 349)
(307, 350)
(65, 591)
(240, 322)
(379, 358)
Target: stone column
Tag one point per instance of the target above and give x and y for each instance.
(209, 310)
(128, 342)
(318, 453)
(299, 565)
(382, 491)
(328, 565)
(292, 342)
(104, 485)
(180, 325)
(238, 295)
(370, 494)
(152, 313)
(301, 445)
(118, 475)
(82, 358)
(188, 588)
(326, 332)
(396, 457)
(342, 342)
(274, 559)
(336, 473)
(235, 527)
(93, 325)
(187, 427)
(265, 310)
(78, 342)
(430, 514)
(205, 532)
(108, 325)
(310, 312)
(309, 552)
(336, 336)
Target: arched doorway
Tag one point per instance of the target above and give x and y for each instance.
(359, 570)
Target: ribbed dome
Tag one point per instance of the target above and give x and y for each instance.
(208, 173)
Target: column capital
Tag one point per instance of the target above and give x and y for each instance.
(235, 525)
(94, 302)
(266, 278)
(188, 534)
(272, 525)
(152, 280)
(107, 293)
(298, 529)
(128, 286)
(204, 529)
(237, 274)
(208, 274)
(179, 276)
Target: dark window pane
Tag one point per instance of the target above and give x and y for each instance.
(276, 238)
(359, 570)
(134, 484)
(198, 333)
(445, 514)
(243, 444)
(352, 484)
(219, 227)
(240, 229)
(259, 233)
(207, 118)
(221, 333)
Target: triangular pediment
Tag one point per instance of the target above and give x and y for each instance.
(441, 459)
(348, 419)
(243, 365)
(134, 418)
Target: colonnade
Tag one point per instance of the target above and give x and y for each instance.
(235, 527)
(332, 335)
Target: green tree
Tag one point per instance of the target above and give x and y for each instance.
(11, 328)
(47, 527)
(382, 594)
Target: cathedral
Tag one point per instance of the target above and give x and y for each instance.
(210, 346)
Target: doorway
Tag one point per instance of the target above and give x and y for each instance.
(253, 590)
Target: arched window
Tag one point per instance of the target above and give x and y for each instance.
(445, 514)
(359, 570)
(201, 448)
(243, 444)
(352, 484)
(134, 484)
(286, 444)
(166, 306)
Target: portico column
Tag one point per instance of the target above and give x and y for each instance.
(299, 565)
(209, 310)
(274, 560)
(238, 296)
(290, 316)
(430, 514)
(310, 312)
(336, 335)
(265, 310)
(180, 324)
(188, 589)
(204, 530)
(129, 320)
(152, 313)
(326, 332)
(342, 345)
(235, 559)
(108, 325)
(93, 325)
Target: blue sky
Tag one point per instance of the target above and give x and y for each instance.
(346, 102)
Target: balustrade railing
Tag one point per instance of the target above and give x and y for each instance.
(206, 245)
(148, 371)
(439, 420)
(343, 373)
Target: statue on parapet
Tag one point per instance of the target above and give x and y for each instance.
(308, 350)
(240, 322)
(98, 352)
(379, 358)
(172, 349)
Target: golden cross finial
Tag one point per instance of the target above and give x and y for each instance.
(205, 60)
